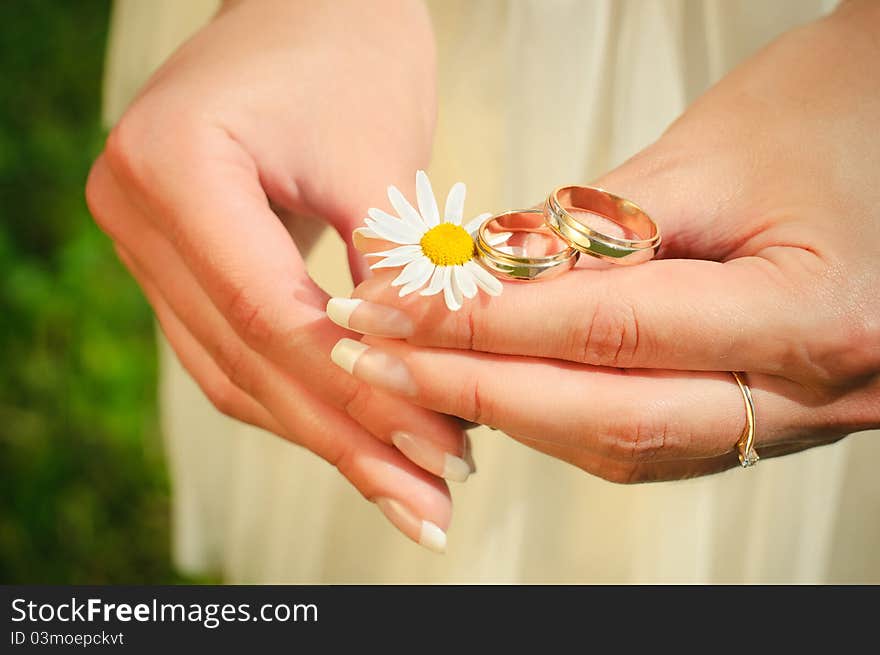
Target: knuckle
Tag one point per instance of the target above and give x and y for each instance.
(99, 194)
(250, 320)
(358, 400)
(840, 350)
(474, 403)
(96, 197)
(611, 336)
(125, 147)
(642, 441)
(340, 455)
(459, 329)
(839, 343)
(224, 396)
(860, 341)
(138, 147)
(473, 330)
(232, 359)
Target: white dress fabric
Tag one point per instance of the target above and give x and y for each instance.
(533, 94)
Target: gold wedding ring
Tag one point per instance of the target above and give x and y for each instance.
(517, 245)
(745, 447)
(601, 224)
(532, 244)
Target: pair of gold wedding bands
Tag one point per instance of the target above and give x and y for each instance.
(536, 244)
(542, 243)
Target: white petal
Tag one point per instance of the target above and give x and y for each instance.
(438, 281)
(410, 271)
(427, 201)
(379, 215)
(499, 238)
(452, 294)
(394, 231)
(417, 282)
(464, 281)
(484, 279)
(474, 224)
(405, 210)
(455, 204)
(397, 260)
(384, 217)
(399, 250)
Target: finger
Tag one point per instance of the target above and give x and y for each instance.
(434, 442)
(223, 227)
(224, 395)
(415, 502)
(631, 472)
(404, 493)
(744, 314)
(672, 314)
(622, 415)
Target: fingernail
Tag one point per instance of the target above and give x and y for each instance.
(373, 366)
(424, 533)
(430, 457)
(360, 238)
(346, 352)
(370, 318)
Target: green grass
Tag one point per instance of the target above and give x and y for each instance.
(83, 490)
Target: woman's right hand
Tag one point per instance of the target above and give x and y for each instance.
(289, 109)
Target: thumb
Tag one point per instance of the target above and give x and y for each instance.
(694, 194)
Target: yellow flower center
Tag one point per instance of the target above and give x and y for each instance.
(447, 245)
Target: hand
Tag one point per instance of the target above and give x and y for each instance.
(767, 195)
(294, 110)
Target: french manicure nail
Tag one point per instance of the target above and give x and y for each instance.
(346, 352)
(430, 457)
(373, 366)
(424, 533)
(339, 310)
(370, 318)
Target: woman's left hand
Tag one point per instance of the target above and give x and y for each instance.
(766, 190)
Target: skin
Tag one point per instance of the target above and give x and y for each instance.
(233, 145)
(766, 191)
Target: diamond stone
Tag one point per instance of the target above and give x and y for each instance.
(749, 459)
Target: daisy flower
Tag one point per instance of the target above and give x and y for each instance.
(433, 251)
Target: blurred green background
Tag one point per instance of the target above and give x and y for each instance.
(82, 480)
